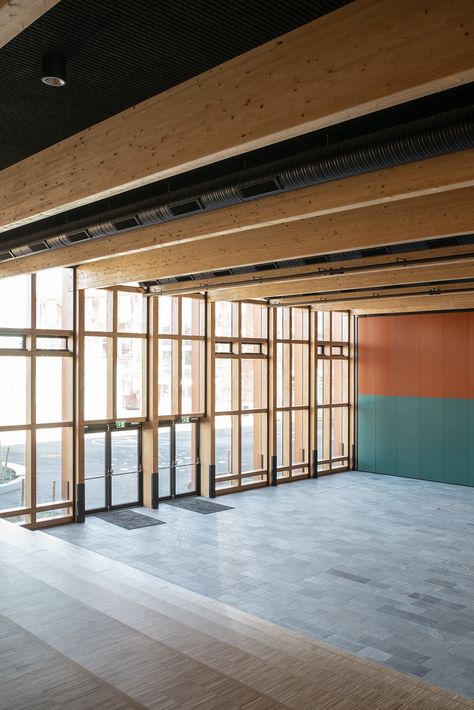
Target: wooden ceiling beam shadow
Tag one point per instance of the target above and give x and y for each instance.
(17, 15)
(394, 51)
(447, 172)
(432, 216)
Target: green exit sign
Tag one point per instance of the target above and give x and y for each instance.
(185, 420)
(120, 425)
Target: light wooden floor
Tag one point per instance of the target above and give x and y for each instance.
(78, 630)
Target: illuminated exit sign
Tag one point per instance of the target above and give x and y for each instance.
(120, 425)
(185, 420)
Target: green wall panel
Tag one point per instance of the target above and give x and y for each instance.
(417, 437)
(456, 441)
(386, 440)
(366, 432)
(432, 439)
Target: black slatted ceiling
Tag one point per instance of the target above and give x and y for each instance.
(120, 53)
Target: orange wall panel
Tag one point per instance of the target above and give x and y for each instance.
(408, 356)
(431, 355)
(386, 355)
(456, 355)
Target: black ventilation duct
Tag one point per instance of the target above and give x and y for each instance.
(443, 133)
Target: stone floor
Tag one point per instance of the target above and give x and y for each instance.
(380, 566)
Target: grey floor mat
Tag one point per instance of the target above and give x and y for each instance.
(128, 519)
(198, 505)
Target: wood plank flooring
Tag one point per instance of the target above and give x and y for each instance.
(78, 630)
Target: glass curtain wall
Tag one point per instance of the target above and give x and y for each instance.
(181, 356)
(292, 373)
(115, 340)
(332, 383)
(36, 396)
(241, 395)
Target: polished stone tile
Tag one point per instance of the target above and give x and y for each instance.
(372, 564)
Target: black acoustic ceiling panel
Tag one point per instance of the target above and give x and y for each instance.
(120, 53)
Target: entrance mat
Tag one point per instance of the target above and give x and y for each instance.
(128, 519)
(198, 505)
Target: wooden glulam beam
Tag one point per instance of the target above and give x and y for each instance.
(377, 294)
(229, 284)
(401, 274)
(425, 177)
(432, 216)
(17, 15)
(417, 305)
(394, 51)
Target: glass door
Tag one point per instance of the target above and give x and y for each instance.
(178, 454)
(112, 463)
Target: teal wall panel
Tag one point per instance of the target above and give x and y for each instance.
(408, 437)
(366, 432)
(456, 441)
(432, 439)
(386, 440)
(417, 437)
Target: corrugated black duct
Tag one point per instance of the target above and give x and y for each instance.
(443, 133)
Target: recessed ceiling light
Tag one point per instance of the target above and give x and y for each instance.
(53, 70)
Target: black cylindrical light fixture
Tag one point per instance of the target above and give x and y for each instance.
(53, 71)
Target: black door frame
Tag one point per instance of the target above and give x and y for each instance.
(171, 424)
(108, 430)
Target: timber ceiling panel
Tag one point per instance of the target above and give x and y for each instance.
(120, 53)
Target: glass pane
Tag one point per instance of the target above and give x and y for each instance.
(283, 323)
(13, 398)
(192, 373)
(339, 326)
(185, 458)
(131, 316)
(12, 342)
(14, 472)
(222, 485)
(168, 315)
(299, 324)
(16, 292)
(339, 432)
(125, 465)
(254, 442)
(253, 321)
(300, 374)
(323, 376)
(51, 343)
(226, 318)
(192, 316)
(299, 436)
(53, 389)
(54, 299)
(283, 375)
(253, 379)
(97, 370)
(223, 445)
(251, 348)
(164, 460)
(165, 375)
(339, 381)
(283, 438)
(98, 309)
(323, 434)
(324, 320)
(225, 389)
(53, 465)
(130, 377)
(223, 347)
(124, 454)
(94, 470)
